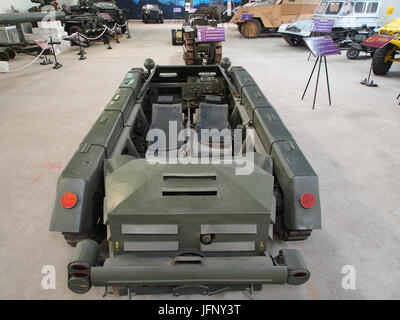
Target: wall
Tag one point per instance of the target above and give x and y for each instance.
(24, 5)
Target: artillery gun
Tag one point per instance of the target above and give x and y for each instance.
(197, 48)
(176, 218)
(18, 43)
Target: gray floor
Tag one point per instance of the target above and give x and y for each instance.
(353, 146)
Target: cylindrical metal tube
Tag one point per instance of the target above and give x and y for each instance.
(187, 275)
(14, 18)
(85, 255)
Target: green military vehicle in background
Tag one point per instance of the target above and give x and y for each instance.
(187, 224)
(117, 15)
(194, 50)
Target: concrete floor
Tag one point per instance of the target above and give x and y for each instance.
(353, 146)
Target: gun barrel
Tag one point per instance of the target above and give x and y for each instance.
(15, 18)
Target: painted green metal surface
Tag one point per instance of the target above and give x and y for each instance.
(185, 228)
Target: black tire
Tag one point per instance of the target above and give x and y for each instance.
(379, 66)
(251, 28)
(352, 53)
(125, 28)
(74, 29)
(173, 35)
(11, 52)
(240, 25)
(4, 56)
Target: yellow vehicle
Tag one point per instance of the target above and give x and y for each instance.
(269, 15)
(384, 56)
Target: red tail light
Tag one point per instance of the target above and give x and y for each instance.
(69, 200)
(79, 267)
(80, 275)
(307, 200)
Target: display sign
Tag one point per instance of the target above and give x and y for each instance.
(322, 25)
(192, 10)
(377, 40)
(187, 6)
(177, 10)
(322, 46)
(247, 16)
(207, 34)
(105, 16)
(229, 8)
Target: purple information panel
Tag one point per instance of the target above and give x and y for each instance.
(322, 46)
(247, 16)
(177, 10)
(207, 34)
(322, 25)
(377, 40)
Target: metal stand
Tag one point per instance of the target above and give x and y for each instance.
(56, 64)
(127, 30)
(81, 52)
(46, 61)
(316, 84)
(367, 81)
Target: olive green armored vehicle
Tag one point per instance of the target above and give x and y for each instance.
(149, 180)
(198, 50)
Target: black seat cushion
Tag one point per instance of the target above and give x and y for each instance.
(162, 115)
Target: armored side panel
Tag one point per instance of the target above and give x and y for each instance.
(84, 173)
(292, 170)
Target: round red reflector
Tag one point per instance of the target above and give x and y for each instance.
(80, 275)
(69, 200)
(79, 267)
(307, 200)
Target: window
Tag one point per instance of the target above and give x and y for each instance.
(360, 7)
(334, 7)
(348, 8)
(321, 8)
(372, 7)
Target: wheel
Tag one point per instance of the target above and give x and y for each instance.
(4, 56)
(240, 25)
(74, 29)
(11, 52)
(125, 28)
(352, 53)
(173, 35)
(293, 41)
(251, 29)
(287, 39)
(380, 61)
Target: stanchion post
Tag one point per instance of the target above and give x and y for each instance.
(56, 64)
(81, 51)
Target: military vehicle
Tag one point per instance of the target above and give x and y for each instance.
(117, 15)
(269, 15)
(188, 224)
(351, 16)
(197, 50)
(152, 12)
(383, 57)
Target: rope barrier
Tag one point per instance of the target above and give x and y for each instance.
(34, 60)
